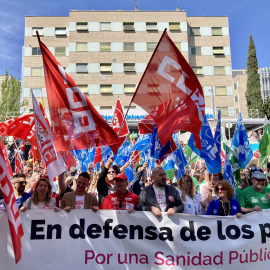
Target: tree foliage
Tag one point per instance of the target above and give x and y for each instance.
(266, 107)
(10, 97)
(253, 93)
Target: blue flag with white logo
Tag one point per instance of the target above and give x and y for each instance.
(240, 140)
(83, 158)
(157, 150)
(180, 160)
(129, 172)
(106, 153)
(228, 173)
(123, 156)
(209, 150)
(169, 162)
(143, 143)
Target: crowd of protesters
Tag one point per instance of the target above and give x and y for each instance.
(196, 192)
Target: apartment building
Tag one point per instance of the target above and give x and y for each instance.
(106, 53)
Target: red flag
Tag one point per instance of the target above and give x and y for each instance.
(23, 127)
(222, 155)
(18, 165)
(54, 162)
(76, 124)
(146, 125)
(14, 220)
(98, 155)
(4, 152)
(135, 158)
(4, 125)
(118, 118)
(69, 159)
(256, 154)
(171, 93)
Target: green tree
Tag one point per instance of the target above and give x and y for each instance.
(253, 93)
(10, 100)
(266, 107)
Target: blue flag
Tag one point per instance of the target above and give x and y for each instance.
(123, 156)
(83, 158)
(169, 162)
(106, 153)
(129, 172)
(180, 160)
(157, 150)
(228, 173)
(143, 143)
(241, 142)
(209, 150)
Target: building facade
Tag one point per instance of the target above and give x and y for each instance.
(106, 53)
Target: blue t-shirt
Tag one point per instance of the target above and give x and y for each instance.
(23, 197)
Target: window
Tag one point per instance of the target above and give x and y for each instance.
(105, 67)
(81, 68)
(105, 26)
(36, 51)
(60, 51)
(106, 89)
(219, 70)
(223, 110)
(81, 47)
(36, 72)
(106, 107)
(195, 51)
(195, 31)
(82, 26)
(216, 31)
(236, 98)
(84, 88)
(151, 46)
(178, 45)
(174, 26)
(128, 26)
(221, 91)
(105, 46)
(129, 67)
(39, 29)
(151, 26)
(218, 50)
(130, 107)
(129, 88)
(128, 46)
(37, 92)
(60, 31)
(235, 86)
(198, 70)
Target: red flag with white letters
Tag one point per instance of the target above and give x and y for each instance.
(171, 93)
(23, 128)
(118, 118)
(98, 156)
(4, 125)
(76, 124)
(4, 152)
(18, 164)
(53, 161)
(14, 220)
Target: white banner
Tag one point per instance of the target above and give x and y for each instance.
(110, 239)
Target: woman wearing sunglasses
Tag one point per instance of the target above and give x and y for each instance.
(225, 205)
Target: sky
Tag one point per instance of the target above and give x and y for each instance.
(245, 17)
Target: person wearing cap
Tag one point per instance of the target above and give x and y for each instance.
(121, 199)
(105, 185)
(18, 182)
(160, 197)
(257, 196)
(80, 199)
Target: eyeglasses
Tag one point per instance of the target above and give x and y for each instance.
(260, 180)
(254, 169)
(22, 183)
(111, 172)
(220, 189)
(120, 202)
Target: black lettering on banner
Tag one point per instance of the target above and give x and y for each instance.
(107, 228)
(190, 232)
(120, 231)
(233, 228)
(94, 231)
(248, 234)
(133, 229)
(35, 229)
(80, 234)
(166, 235)
(203, 233)
(57, 228)
(264, 234)
(221, 236)
(152, 235)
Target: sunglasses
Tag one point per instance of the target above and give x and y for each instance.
(220, 189)
(254, 169)
(120, 202)
(111, 172)
(22, 183)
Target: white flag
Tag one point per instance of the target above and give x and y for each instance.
(53, 160)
